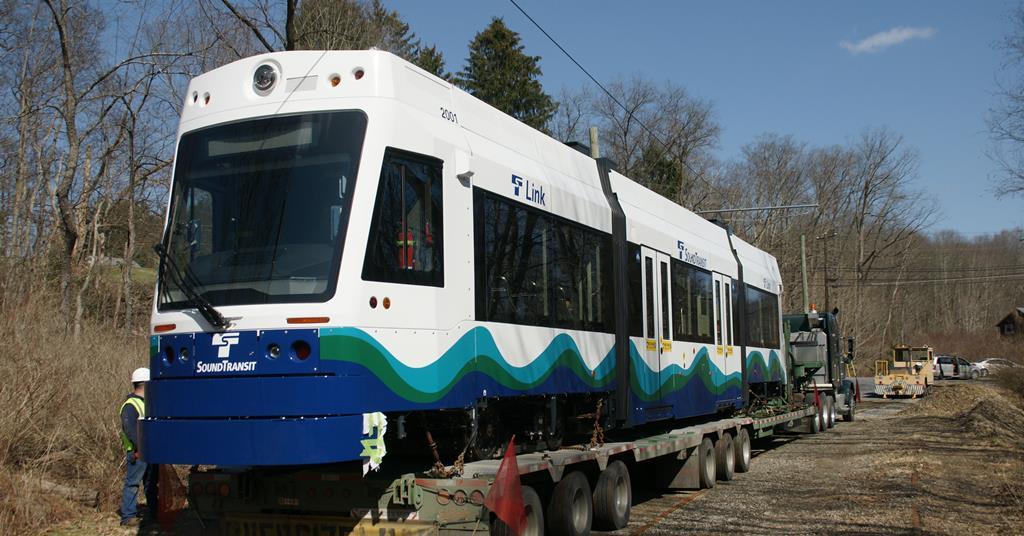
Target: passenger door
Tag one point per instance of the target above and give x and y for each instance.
(723, 324)
(657, 323)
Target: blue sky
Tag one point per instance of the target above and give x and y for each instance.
(782, 67)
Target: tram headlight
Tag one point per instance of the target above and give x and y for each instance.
(264, 78)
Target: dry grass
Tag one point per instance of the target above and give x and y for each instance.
(60, 398)
(1011, 379)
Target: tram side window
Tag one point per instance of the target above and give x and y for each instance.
(538, 270)
(405, 241)
(581, 262)
(762, 318)
(691, 303)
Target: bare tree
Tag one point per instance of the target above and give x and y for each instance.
(1006, 118)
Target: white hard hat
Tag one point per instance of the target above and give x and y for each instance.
(140, 375)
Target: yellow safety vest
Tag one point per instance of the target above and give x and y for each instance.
(140, 407)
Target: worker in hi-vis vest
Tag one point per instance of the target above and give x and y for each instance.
(138, 472)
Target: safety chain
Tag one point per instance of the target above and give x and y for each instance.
(440, 471)
(597, 437)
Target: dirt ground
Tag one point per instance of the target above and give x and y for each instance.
(950, 463)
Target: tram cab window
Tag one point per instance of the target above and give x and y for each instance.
(406, 232)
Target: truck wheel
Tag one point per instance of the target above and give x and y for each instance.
(534, 517)
(830, 412)
(706, 464)
(725, 458)
(848, 416)
(571, 509)
(741, 446)
(613, 497)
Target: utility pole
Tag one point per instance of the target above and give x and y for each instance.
(595, 148)
(824, 247)
(803, 269)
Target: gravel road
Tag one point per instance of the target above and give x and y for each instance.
(951, 463)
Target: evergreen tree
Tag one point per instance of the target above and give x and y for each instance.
(359, 25)
(431, 60)
(499, 73)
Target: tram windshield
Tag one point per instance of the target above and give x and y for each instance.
(259, 209)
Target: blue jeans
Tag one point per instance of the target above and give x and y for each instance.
(138, 472)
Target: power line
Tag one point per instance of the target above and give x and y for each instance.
(974, 279)
(609, 93)
(895, 269)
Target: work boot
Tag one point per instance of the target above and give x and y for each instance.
(133, 522)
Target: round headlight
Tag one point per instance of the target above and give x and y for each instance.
(264, 78)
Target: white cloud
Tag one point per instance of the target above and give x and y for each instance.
(883, 40)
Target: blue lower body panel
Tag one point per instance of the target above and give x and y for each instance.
(282, 441)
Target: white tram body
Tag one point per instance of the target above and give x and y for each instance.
(378, 240)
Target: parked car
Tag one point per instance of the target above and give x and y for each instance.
(954, 367)
(993, 364)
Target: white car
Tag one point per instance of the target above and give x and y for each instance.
(994, 364)
(947, 366)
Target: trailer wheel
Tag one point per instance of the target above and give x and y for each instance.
(534, 517)
(814, 423)
(613, 497)
(725, 458)
(571, 509)
(706, 451)
(741, 446)
(830, 412)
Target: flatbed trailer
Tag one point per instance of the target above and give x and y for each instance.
(573, 489)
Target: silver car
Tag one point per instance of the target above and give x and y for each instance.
(994, 364)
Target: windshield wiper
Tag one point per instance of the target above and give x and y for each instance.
(187, 283)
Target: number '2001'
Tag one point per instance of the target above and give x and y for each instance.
(449, 115)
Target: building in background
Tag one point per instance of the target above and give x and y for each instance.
(1012, 325)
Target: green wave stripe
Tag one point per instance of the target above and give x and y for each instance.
(475, 351)
(770, 368)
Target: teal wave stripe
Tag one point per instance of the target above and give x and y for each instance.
(650, 385)
(475, 351)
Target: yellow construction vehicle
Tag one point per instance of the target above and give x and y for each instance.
(907, 373)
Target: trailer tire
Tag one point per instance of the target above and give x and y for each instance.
(706, 463)
(741, 448)
(613, 497)
(534, 517)
(571, 508)
(725, 458)
(814, 422)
